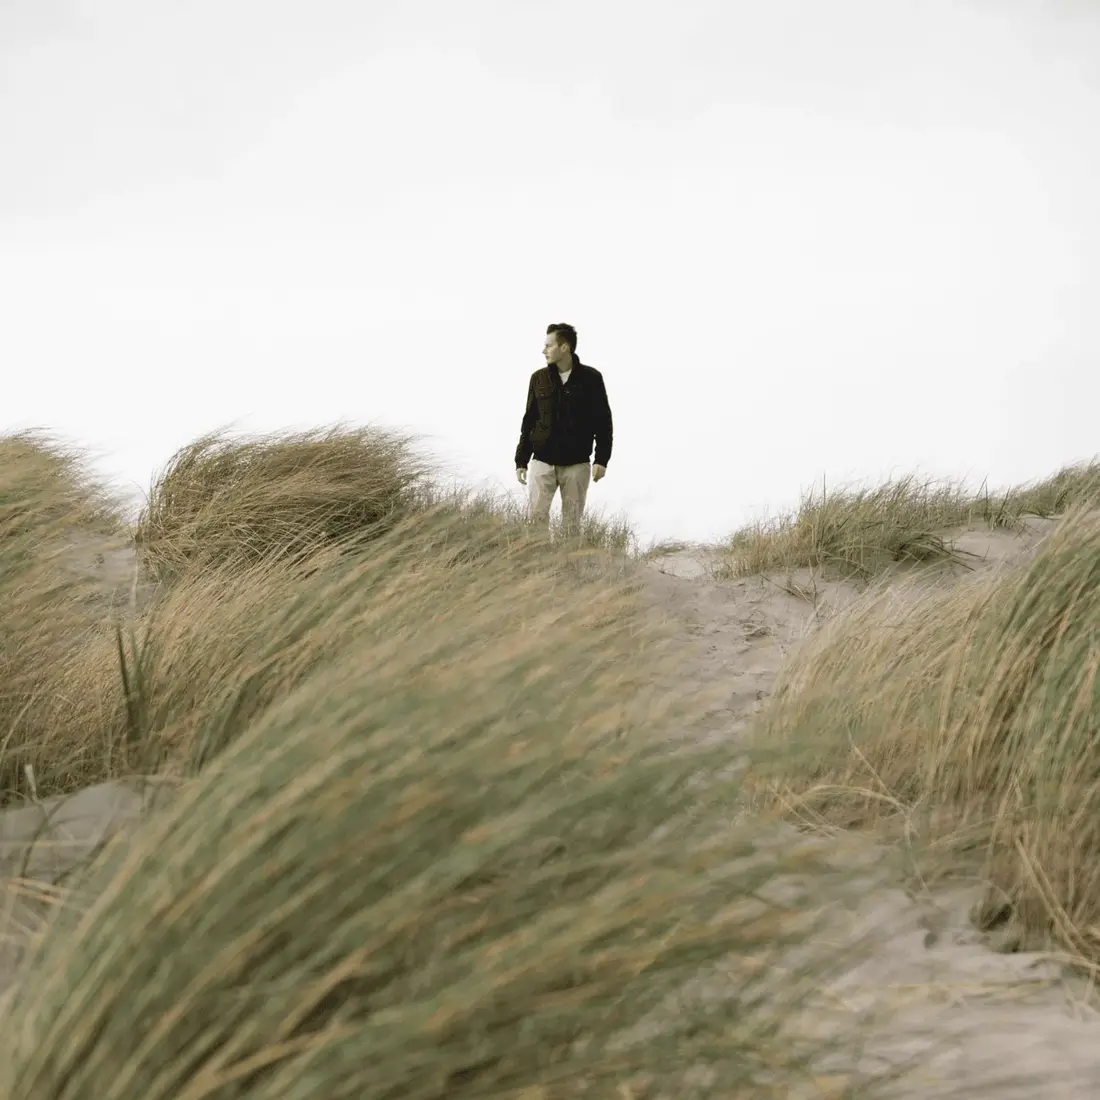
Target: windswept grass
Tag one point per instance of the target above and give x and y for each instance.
(864, 532)
(46, 490)
(438, 830)
(1070, 489)
(610, 536)
(437, 847)
(244, 499)
(53, 514)
(126, 699)
(970, 713)
(241, 640)
(233, 528)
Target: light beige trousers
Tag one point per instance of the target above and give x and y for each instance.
(544, 480)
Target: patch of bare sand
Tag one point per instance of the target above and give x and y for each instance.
(932, 998)
(742, 631)
(739, 633)
(109, 564)
(985, 547)
(42, 843)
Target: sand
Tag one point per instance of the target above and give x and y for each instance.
(966, 1019)
(42, 843)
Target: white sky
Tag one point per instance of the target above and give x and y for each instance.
(798, 238)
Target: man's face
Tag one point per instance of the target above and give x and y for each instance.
(554, 352)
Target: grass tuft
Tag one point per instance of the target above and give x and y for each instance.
(970, 714)
(866, 532)
(225, 499)
(55, 519)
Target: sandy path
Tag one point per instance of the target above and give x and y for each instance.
(970, 1021)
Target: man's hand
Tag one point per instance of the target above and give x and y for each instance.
(521, 475)
(598, 472)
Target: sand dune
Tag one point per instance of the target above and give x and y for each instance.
(956, 1010)
(968, 1017)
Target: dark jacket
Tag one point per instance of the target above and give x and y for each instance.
(562, 420)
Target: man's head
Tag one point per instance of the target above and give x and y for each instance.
(561, 343)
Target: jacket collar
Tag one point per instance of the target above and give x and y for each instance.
(555, 374)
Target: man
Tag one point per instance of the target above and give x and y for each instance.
(567, 408)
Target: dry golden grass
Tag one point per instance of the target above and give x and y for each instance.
(436, 845)
(223, 498)
(233, 528)
(244, 636)
(49, 504)
(864, 532)
(432, 840)
(247, 499)
(969, 713)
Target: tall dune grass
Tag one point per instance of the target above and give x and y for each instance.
(973, 713)
(242, 639)
(53, 515)
(223, 498)
(864, 532)
(438, 844)
(246, 499)
(126, 695)
(233, 528)
(439, 832)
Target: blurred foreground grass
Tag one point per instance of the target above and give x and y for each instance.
(431, 838)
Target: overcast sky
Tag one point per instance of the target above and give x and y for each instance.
(798, 238)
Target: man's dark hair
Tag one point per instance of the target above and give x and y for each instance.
(566, 334)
